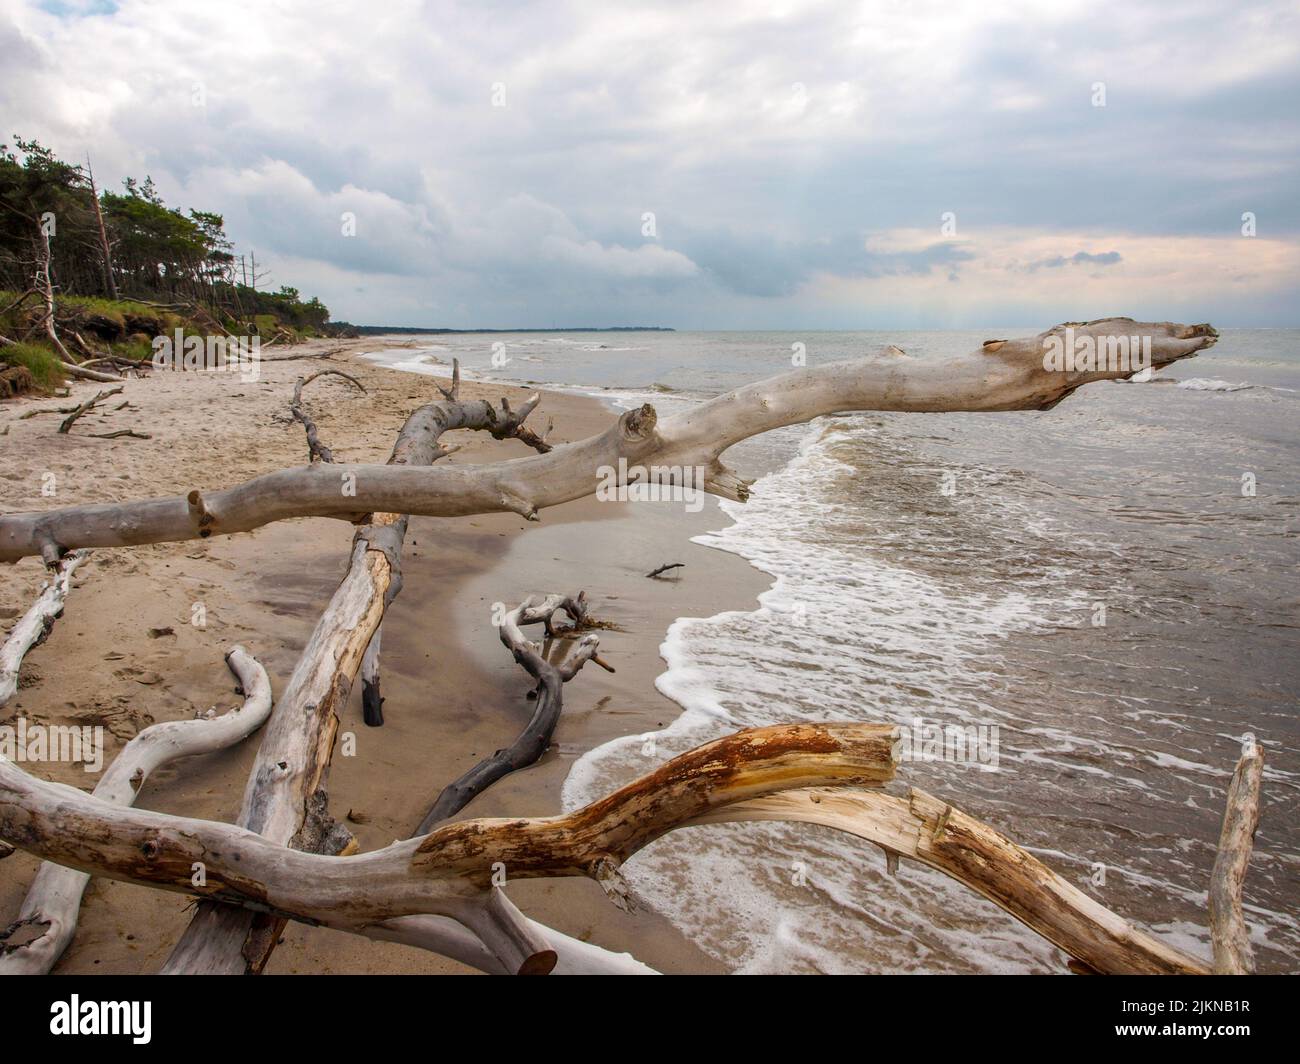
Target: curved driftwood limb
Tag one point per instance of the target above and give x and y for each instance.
(1006, 375)
(71, 369)
(68, 421)
(48, 917)
(285, 799)
(443, 935)
(935, 833)
(450, 871)
(534, 740)
(317, 451)
(34, 625)
(506, 933)
(1228, 932)
(654, 574)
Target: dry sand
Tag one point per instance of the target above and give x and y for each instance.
(453, 693)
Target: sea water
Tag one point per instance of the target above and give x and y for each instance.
(1110, 588)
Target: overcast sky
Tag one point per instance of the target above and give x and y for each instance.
(800, 160)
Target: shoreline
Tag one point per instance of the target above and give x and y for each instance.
(100, 666)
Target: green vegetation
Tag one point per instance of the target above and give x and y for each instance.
(123, 268)
(44, 366)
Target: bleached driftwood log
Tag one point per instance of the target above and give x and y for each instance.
(935, 833)
(1229, 934)
(34, 626)
(451, 871)
(48, 917)
(285, 799)
(1003, 375)
(406, 892)
(443, 935)
(551, 678)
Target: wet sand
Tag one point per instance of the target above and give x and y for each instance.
(453, 694)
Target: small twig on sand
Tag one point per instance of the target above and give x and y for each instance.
(664, 568)
(67, 421)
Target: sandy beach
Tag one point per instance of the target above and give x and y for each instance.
(125, 654)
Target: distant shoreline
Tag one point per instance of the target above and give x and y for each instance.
(382, 330)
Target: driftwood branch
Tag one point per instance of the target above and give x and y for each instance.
(48, 917)
(655, 573)
(44, 287)
(285, 799)
(443, 872)
(34, 625)
(443, 935)
(1004, 375)
(402, 892)
(129, 434)
(316, 450)
(68, 421)
(1228, 932)
(534, 740)
(935, 833)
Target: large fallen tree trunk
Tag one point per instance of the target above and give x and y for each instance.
(1003, 375)
(285, 799)
(451, 871)
(48, 918)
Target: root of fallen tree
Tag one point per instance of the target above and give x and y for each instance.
(287, 859)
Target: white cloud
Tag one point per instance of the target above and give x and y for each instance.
(770, 141)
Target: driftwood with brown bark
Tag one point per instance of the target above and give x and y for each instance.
(441, 890)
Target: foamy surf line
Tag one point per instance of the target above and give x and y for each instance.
(427, 364)
(783, 662)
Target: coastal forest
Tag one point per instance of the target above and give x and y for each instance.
(89, 276)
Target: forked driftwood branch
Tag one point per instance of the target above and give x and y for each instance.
(450, 871)
(408, 891)
(48, 917)
(286, 799)
(551, 677)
